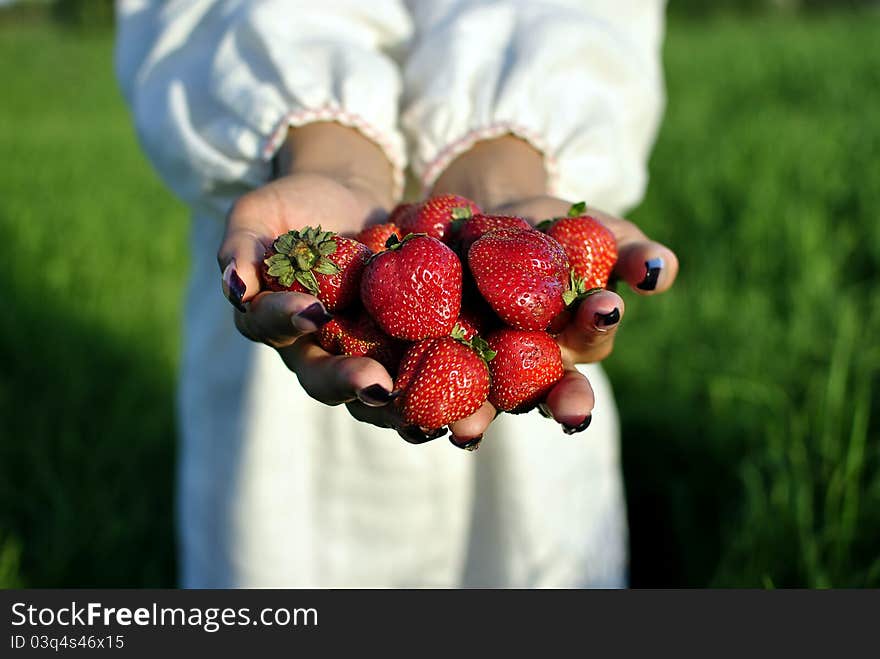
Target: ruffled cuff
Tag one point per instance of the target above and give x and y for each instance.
(431, 170)
(391, 144)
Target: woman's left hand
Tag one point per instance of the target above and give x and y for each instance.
(648, 267)
(506, 176)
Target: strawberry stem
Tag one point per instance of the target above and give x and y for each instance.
(578, 291)
(301, 253)
(477, 344)
(577, 209)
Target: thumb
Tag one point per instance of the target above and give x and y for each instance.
(239, 258)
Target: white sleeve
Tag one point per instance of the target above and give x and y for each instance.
(580, 80)
(214, 85)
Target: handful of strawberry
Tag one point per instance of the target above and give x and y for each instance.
(399, 286)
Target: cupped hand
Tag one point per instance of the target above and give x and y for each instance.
(647, 266)
(314, 189)
(507, 176)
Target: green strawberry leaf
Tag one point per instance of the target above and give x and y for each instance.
(283, 244)
(458, 333)
(577, 209)
(406, 239)
(286, 278)
(304, 260)
(482, 348)
(326, 267)
(307, 280)
(462, 213)
(277, 258)
(326, 248)
(577, 293)
(543, 226)
(278, 268)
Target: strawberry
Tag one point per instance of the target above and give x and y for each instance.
(399, 212)
(440, 381)
(526, 366)
(522, 274)
(358, 336)
(321, 263)
(376, 236)
(480, 224)
(413, 289)
(589, 245)
(469, 324)
(435, 216)
(476, 316)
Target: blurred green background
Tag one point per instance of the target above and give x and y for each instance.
(749, 395)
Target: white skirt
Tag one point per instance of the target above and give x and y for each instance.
(277, 490)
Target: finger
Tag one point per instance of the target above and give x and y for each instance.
(388, 417)
(335, 379)
(590, 335)
(571, 401)
(251, 226)
(467, 433)
(647, 266)
(416, 435)
(279, 319)
(383, 417)
(239, 258)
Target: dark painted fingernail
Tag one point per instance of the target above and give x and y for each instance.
(583, 425)
(435, 433)
(415, 435)
(233, 287)
(376, 395)
(315, 314)
(471, 444)
(544, 411)
(653, 267)
(604, 320)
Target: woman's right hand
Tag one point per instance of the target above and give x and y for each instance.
(334, 177)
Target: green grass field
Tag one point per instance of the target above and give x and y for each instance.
(749, 395)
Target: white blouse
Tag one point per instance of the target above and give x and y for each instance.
(276, 489)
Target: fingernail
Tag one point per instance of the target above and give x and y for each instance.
(544, 411)
(653, 267)
(311, 318)
(583, 425)
(471, 444)
(233, 287)
(604, 320)
(415, 435)
(376, 395)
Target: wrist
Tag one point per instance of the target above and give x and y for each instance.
(496, 172)
(340, 153)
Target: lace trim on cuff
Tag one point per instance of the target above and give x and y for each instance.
(334, 113)
(450, 152)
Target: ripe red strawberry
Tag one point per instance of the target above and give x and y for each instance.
(525, 367)
(468, 324)
(359, 336)
(435, 216)
(589, 245)
(321, 263)
(481, 224)
(398, 212)
(522, 274)
(413, 289)
(376, 235)
(440, 381)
